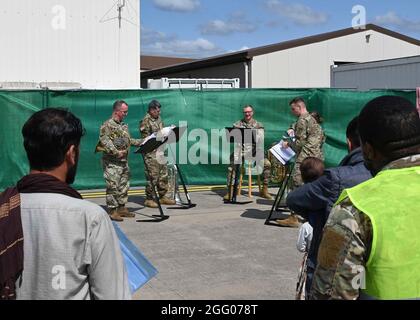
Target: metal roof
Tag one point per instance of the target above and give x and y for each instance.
(155, 62)
(248, 54)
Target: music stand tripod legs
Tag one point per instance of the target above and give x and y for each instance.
(280, 193)
(189, 204)
(233, 193)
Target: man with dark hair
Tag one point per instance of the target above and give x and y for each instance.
(114, 142)
(352, 134)
(70, 247)
(308, 141)
(314, 200)
(370, 245)
(154, 104)
(158, 171)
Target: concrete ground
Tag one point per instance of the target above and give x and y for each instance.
(215, 250)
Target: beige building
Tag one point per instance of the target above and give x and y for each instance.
(301, 63)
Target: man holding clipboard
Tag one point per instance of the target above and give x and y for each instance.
(307, 141)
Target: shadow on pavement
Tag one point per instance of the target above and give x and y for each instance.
(262, 214)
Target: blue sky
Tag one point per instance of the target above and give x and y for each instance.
(202, 28)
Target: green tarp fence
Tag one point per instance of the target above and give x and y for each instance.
(208, 110)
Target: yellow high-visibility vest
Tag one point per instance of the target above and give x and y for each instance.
(392, 202)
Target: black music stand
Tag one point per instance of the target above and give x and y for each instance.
(151, 145)
(280, 194)
(237, 167)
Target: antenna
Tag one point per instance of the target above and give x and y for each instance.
(120, 5)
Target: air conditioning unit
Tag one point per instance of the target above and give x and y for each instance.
(195, 84)
(19, 85)
(60, 85)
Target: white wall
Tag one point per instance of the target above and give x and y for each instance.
(309, 66)
(96, 54)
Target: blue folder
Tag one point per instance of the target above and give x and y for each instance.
(139, 269)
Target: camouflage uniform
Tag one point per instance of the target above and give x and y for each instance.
(278, 170)
(345, 247)
(253, 124)
(309, 140)
(114, 137)
(157, 172)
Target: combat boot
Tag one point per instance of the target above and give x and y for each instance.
(150, 204)
(265, 194)
(123, 212)
(226, 197)
(167, 201)
(292, 221)
(114, 215)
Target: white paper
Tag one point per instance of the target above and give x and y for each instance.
(282, 154)
(163, 133)
(153, 135)
(167, 131)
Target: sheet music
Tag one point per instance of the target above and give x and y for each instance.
(152, 136)
(167, 131)
(282, 154)
(163, 133)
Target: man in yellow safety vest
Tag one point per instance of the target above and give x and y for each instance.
(371, 243)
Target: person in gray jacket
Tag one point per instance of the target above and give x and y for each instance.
(70, 248)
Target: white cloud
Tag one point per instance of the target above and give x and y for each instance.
(177, 5)
(149, 36)
(392, 19)
(158, 43)
(241, 49)
(299, 14)
(237, 22)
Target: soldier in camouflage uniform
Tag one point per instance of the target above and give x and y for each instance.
(343, 271)
(309, 138)
(114, 142)
(158, 172)
(250, 123)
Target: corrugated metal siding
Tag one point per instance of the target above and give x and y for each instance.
(309, 66)
(401, 73)
(95, 54)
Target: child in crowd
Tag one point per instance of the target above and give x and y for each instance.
(310, 169)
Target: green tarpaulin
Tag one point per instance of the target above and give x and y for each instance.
(208, 110)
